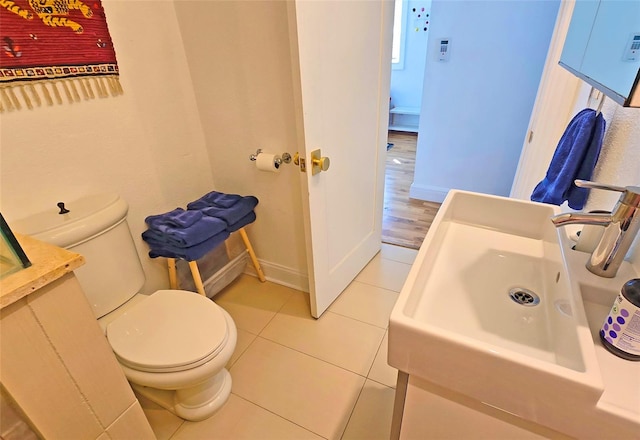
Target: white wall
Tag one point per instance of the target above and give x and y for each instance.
(174, 135)
(147, 145)
(619, 161)
(551, 113)
(618, 164)
(560, 97)
(476, 106)
(240, 64)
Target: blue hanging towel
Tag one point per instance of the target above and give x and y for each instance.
(575, 158)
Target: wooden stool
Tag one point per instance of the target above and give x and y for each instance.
(195, 272)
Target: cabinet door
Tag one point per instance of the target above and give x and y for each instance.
(575, 45)
(604, 62)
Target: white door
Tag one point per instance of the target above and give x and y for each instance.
(344, 50)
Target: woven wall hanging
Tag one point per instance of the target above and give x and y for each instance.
(54, 50)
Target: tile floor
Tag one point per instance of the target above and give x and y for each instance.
(295, 377)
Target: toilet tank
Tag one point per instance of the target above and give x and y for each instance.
(96, 228)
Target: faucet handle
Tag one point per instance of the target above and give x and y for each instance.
(595, 185)
(630, 195)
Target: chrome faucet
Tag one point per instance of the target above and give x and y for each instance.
(621, 227)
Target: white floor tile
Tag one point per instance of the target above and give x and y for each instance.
(240, 419)
(367, 303)
(303, 378)
(337, 339)
(398, 253)
(388, 274)
(252, 304)
(244, 340)
(163, 423)
(371, 418)
(381, 371)
(304, 390)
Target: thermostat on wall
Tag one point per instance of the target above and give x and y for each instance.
(445, 46)
(632, 50)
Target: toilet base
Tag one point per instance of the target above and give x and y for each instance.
(195, 403)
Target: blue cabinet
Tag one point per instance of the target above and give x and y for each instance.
(603, 47)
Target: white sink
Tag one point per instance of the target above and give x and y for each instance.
(455, 324)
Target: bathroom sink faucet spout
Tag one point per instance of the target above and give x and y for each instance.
(621, 228)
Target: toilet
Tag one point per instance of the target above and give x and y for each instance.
(172, 345)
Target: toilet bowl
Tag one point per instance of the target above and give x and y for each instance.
(172, 345)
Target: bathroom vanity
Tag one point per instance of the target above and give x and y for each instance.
(56, 367)
(430, 411)
(495, 332)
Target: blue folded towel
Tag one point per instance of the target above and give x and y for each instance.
(191, 253)
(215, 198)
(162, 228)
(178, 218)
(229, 207)
(244, 221)
(575, 158)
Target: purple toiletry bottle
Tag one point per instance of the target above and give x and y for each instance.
(620, 333)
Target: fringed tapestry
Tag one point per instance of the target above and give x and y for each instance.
(52, 50)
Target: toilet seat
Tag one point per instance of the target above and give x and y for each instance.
(171, 330)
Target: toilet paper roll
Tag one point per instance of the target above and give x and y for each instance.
(268, 162)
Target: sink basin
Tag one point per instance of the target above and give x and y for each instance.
(489, 310)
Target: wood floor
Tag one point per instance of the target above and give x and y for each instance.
(405, 221)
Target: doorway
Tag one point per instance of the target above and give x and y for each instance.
(471, 129)
(405, 221)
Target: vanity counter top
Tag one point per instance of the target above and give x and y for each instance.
(48, 263)
(619, 404)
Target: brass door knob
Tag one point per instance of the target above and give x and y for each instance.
(319, 163)
(323, 163)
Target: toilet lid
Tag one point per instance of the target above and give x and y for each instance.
(168, 330)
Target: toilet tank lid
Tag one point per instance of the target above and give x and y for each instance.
(87, 217)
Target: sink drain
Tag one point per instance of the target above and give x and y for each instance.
(524, 297)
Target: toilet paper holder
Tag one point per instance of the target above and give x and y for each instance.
(284, 157)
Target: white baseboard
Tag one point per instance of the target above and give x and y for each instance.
(428, 193)
(282, 275)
